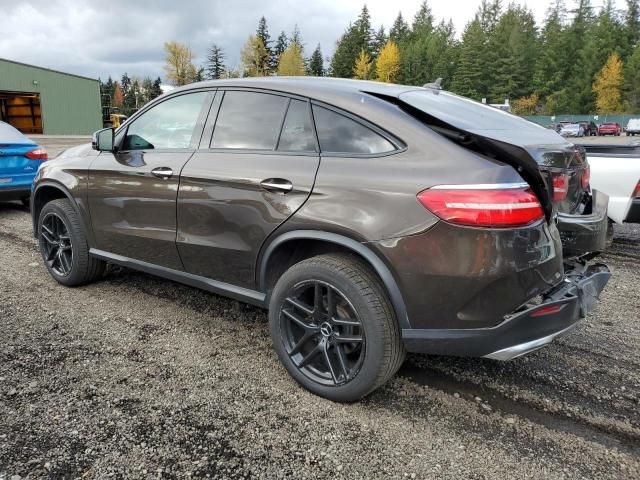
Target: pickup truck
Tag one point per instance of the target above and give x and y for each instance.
(615, 170)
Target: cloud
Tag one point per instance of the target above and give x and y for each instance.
(99, 39)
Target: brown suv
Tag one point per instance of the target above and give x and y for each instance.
(366, 221)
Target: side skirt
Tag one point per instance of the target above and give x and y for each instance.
(225, 289)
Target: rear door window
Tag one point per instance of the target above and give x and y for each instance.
(339, 134)
(297, 131)
(249, 120)
(169, 124)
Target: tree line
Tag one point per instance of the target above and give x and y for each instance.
(581, 59)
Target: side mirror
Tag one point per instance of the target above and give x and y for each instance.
(103, 140)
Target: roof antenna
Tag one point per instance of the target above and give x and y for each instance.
(437, 85)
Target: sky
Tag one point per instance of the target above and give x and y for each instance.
(98, 39)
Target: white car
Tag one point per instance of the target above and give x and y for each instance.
(615, 170)
(572, 130)
(633, 127)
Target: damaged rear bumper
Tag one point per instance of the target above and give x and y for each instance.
(529, 328)
(587, 233)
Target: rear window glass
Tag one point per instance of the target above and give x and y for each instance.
(297, 133)
(339, 134)
(249, 120)
(9, 134)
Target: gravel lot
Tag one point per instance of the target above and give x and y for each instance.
(137, 377)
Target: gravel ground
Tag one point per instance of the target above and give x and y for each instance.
(137, 377)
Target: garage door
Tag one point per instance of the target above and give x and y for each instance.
(22, 110)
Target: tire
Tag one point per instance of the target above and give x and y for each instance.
(59, 222)
(359, 298)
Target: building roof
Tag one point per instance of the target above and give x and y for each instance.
(47, 69)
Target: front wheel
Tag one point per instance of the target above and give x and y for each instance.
(333, 327)
(63, 245)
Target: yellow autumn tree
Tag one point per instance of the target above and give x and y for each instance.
(388, 63)
(179, 65)
(608, 86)
(362, 68)
(255, 58)
(291, 61)
(526, 105)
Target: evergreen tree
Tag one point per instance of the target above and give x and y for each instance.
(378, 41)
(400, 30)
(423, 20)
(632, 25)
(125, 84)
(214, 65)
(156, 89)
(469, 79)
(355, 39)
(553, 63)
(296, 37)
(514, 44)
(631, 87)
(316, 64)
(262, 33)
(281, 45)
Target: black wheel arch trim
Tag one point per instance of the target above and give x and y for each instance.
(63, 189)
(378, 265)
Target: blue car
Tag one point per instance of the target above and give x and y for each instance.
(19, 162)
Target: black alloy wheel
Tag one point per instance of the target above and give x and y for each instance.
(58, 249)
(322, 333)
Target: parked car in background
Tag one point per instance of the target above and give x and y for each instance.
(370, 219)
(19, 162)
(590, 128)
(572, 130)
(610, 128)
(615, 170)
(633, 127)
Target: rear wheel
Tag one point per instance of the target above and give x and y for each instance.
(63, 245)
(333, 327)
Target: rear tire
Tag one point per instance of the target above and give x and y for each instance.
(63, 245)
(313, 344)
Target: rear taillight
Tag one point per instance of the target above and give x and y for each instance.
(37, 154)
(636, 192)
(483, 205)
(586, 177)
(560, 186)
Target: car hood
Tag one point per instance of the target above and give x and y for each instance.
(77, 151)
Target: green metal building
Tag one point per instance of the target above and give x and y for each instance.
(40, 100)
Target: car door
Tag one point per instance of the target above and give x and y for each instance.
(249, 176)
(132, 192)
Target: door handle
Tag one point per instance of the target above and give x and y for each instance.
(277, 185)
(162, 172)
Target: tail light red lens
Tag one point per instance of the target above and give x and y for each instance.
(560, 186)
(483, 206)
(37, 154)
(636, 192)
(586, 177)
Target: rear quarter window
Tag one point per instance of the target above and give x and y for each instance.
(340, 134)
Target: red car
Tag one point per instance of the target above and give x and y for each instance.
(610, 128)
